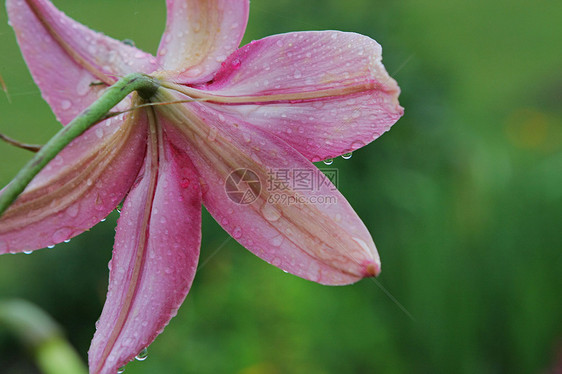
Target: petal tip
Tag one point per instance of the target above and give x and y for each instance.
(371, 269)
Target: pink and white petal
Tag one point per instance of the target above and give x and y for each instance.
(67, 60)
(324, 92)
(78, 188)
(199, 36)
(154, 259)
(309, 230)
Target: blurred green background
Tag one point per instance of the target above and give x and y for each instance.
(463, 198)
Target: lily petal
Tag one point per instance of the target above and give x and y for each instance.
(70, 63)
(154, 260)
(199, 36)
(325, 93)
(311, 231)
(78, 188)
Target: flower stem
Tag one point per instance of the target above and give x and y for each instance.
(145, 86)
(42, 336)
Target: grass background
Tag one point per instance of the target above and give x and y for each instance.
(463, 198)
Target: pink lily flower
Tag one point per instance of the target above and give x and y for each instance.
(252, 120)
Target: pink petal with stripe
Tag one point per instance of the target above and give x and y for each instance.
(310, 232)
(200, 35)
(325, 93)
(71, 64)
(154, 259)
(78, 188)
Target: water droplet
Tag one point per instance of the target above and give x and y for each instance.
(61, 235)
(51, 246)
(128, 42)
(121, 370)
(297, 74)
(72, 210)
(277, 241)
(103, 220)
(213, 134)
(185, 182)
(28, 252)
(237, 233)
(236, 63)
(142, 355)
(99, 132)
(347, 156)
(329, 161)
(83, 86)
(65, 104)
(270, 213)
(357, 144)
(67, 241)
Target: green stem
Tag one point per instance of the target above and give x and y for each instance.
(42, 336)
(146, 87)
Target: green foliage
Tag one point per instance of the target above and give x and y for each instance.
(463, 197)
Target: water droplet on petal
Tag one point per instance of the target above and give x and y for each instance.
(237, 233)
(270, 213)
(51, 246)
(357, 144)
(236, 63)
(83, 85)
(61, 235)
(277, 241)
(142, 355)
(65, 104)
(329, 161)
(213, 134)
(347, 156)
(121, 370)
(185, 182)
(128, 42)
(28, 252)
(72, 210)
